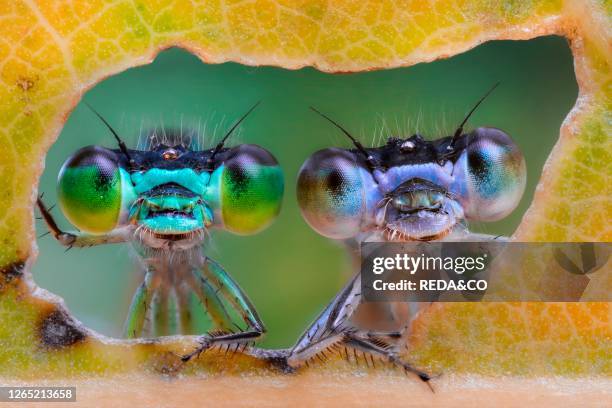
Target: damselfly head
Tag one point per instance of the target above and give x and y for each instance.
(171, 191)
(412, 188)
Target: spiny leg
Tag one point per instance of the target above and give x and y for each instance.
(328, 324)
(234, 294)
(139, 307)
(366, 346)
(137, 314)
(209, 298)
(333, 330)
(342, 341)
(225, 286)
(79, 239)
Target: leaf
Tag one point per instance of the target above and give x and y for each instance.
(51, 52)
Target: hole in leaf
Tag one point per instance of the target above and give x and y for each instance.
(288, 271)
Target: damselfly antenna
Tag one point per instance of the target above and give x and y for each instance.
(371, 161)
(219, 146)
(122, 146)
(459, 130)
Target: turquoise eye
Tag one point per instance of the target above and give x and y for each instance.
(490, 175)
(90, 185)
(331, 193)
(250, 189)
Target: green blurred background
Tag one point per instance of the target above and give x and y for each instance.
(288, 270)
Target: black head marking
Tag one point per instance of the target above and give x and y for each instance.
(173, 153)
(413, 150)
(169, 156)
(170, 151)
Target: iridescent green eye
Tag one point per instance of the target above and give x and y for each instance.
(250, 189)
(89, 189)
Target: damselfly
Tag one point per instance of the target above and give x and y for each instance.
(165, 200)
(409, 189)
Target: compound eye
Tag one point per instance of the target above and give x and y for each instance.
(493, 173)
(331, 193)
(89, 189)
(251, 189)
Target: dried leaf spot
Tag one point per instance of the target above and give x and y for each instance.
(58, 330)
(10, 272)
(25, 83)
